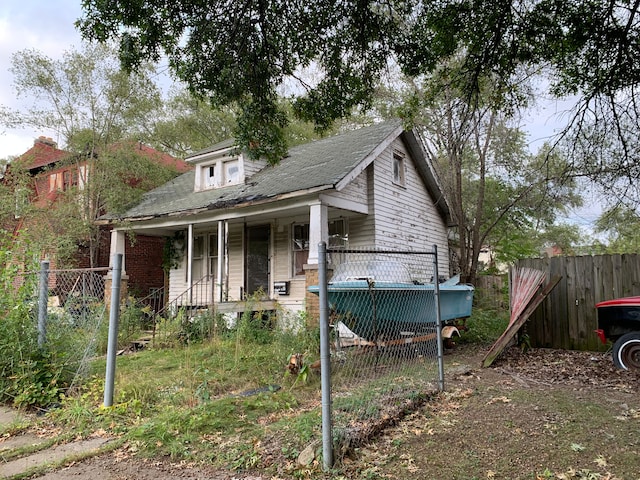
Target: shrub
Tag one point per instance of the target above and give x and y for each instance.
(29, 375)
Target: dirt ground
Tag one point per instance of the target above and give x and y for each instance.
(535, 415)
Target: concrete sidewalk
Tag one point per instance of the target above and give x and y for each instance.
(41, 458)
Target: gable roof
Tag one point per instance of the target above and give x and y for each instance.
(161, 158)
(313, 167)
(43, 153)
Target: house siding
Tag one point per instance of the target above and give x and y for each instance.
(252, 166)
(405, 216)
(235, 250)
(356, 191)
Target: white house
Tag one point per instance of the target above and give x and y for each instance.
(240, 226)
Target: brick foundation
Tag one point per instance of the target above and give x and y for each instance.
(311, 300)
(108, 288)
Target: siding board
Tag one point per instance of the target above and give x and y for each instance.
(405, 217)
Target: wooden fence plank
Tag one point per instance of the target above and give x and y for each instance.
(567, 317)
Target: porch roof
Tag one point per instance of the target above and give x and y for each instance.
(312, 167)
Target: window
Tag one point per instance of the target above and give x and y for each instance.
(221, 173)
(205, 256)
(231, 171)
(210, 176)
(55, 182)
(338, 237)
(398, 168)
(199, 267)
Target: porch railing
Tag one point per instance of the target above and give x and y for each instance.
(190, 304)
(194, 298)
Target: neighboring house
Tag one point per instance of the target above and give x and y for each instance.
(54, 171)
(240, 227)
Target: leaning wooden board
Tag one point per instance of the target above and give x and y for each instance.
(512, 329)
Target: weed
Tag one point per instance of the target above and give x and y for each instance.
(485, 326)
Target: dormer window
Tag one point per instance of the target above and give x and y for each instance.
(219, 173)
(210, 176)
(231, 171)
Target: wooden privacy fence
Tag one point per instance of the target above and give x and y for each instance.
(567, 318)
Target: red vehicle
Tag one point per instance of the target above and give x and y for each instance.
(619, 321)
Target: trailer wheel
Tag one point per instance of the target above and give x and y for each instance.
(626, 351)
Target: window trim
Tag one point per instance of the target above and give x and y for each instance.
(398, 169)
(293, 249)
(221, 174)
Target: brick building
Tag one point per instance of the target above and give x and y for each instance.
(55, 171)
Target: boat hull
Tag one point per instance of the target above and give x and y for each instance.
(392, 310)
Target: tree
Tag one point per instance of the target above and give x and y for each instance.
(621, 224)
(241, 52)
(186, 123)
(85, 91)
(500, 194)
(96, 108)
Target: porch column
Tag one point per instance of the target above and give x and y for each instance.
(222, 240)
(318, 230)
(118, 242)
(190, 261)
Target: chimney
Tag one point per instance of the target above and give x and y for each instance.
(45, 141)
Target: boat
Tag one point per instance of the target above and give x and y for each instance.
(379, 300)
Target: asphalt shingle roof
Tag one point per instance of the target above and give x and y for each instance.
(315, 165)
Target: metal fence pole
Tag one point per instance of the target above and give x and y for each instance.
(325, 359)
(114, 316)
(436, 293)
(43, 295)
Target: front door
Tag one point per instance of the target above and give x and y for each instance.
(257, 259)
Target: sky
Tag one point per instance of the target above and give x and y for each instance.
(48, 26)
(44, 25)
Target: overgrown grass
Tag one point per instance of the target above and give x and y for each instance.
(222, 395)
(216, 401)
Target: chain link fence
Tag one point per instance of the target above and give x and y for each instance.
(385, 344)
(53, 324)
(74, 318)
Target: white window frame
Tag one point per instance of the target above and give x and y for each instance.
(398, 168)
(298, 247)
(231, 178)
(334, 241)
(222, 173)
(199, 256)
(209, 175)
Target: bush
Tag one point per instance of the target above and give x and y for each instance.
(29, 375)
(33, 375)
(485, 326)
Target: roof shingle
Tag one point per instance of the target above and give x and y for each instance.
(317, 165)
